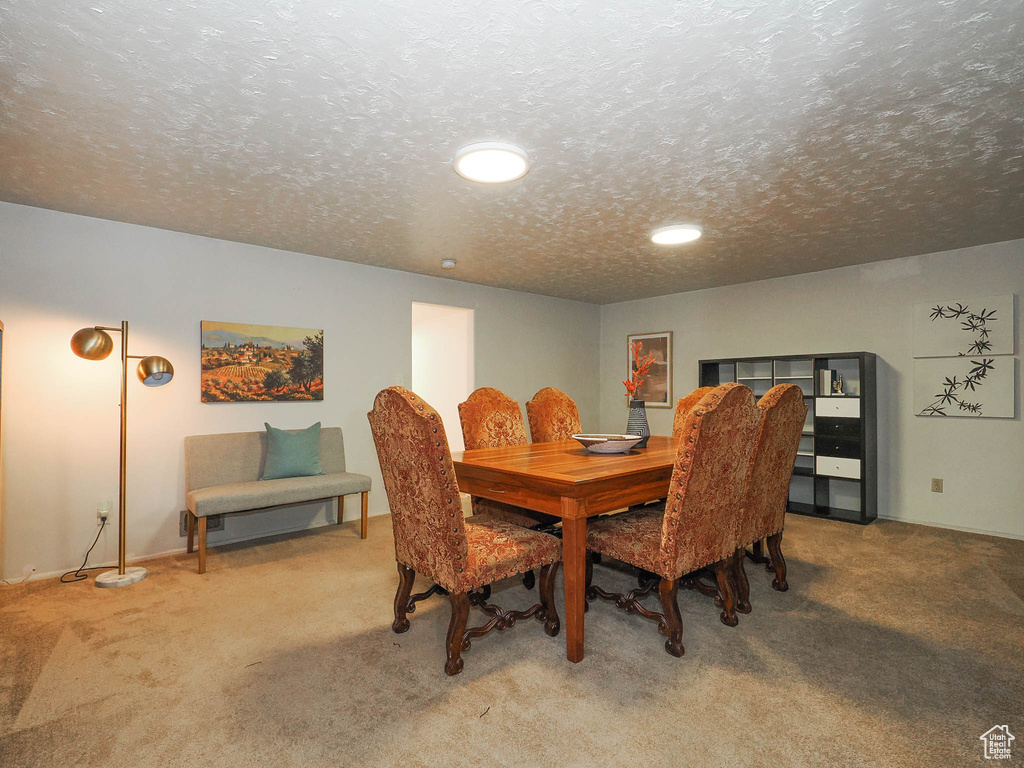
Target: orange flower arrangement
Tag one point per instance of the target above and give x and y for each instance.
(641, 365)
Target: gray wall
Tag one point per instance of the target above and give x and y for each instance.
(60, 272)
(856, 308)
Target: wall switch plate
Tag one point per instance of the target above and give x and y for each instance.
(936, 485)
(213, 523)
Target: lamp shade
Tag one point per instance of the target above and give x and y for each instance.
(155, 371)
(92, 343)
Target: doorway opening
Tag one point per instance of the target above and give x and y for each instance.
(442, 362)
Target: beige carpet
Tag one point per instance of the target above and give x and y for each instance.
(897, 645)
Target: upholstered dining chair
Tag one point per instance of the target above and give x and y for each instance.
(553, 416)
(697, 527)
(433, 538)
(492, 419)
(783, 411)
(683, 407)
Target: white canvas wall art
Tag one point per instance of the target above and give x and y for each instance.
(964, 326)
(965, 386)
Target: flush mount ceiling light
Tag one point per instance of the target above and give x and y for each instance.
(491, 162)
(676, 234)
(447, 263)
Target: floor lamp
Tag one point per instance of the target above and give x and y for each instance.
(95, 344)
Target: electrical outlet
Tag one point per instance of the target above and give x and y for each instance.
(936, 485)
(213, 523)
(102, 511)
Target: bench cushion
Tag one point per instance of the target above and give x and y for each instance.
(257, 494)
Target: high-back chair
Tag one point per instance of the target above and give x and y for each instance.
(683, 407)
(783, 411)
(433, 539)
(553, 416)
(492, 419)
(699, 524)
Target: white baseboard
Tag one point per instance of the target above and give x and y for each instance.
(180, 550)
(964, 528)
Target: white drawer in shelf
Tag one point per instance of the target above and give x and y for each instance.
(836, 467)
(837, 407)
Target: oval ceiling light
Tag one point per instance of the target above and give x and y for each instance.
(491, 162)
(676, 234)
(447, 263)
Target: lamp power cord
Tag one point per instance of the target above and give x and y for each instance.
(80, 574)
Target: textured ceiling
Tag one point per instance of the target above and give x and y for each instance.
(802, 134)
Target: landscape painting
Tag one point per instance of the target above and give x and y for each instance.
(247, 363)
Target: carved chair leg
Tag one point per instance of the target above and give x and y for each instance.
(547, 599)
(456, 630)
(775, 548)
(406, 577)
(739, 575)
(668, 590)
(529, 580)
(644, 577)
(722, 569)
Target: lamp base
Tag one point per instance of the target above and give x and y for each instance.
(115, 579)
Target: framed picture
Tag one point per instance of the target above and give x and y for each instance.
(972, 325)
(247, 363)
(656, 388)
(970, 386)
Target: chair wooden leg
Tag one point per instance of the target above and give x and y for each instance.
(668, 590)
(722, 569)
(202, 544)
(456, 630)
(592, 557)
(547, 599)
(406, 577)
(529, 580)
(362, 524)
(190, 529)
(341, 509)
(739, 575)
(775, 548)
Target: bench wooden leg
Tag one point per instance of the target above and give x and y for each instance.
(341, 508)
(190, 528)
(366, 501)
(202, 544)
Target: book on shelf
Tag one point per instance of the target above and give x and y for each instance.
(826, 378)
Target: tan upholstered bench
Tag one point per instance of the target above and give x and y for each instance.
(222, 475)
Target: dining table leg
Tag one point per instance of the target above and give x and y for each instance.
(574, 556)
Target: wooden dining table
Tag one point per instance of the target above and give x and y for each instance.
(566, 480)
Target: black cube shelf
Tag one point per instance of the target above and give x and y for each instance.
(836, 472)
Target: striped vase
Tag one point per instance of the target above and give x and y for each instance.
(636, 424)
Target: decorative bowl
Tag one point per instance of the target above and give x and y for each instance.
(608, 443)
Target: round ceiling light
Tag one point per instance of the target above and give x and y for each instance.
(447, 263)
(676, 234)
(491, 162)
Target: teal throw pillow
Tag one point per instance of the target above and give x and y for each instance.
(292, 454)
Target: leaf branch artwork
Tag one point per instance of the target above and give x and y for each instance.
(954, 391)
(962, 394)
